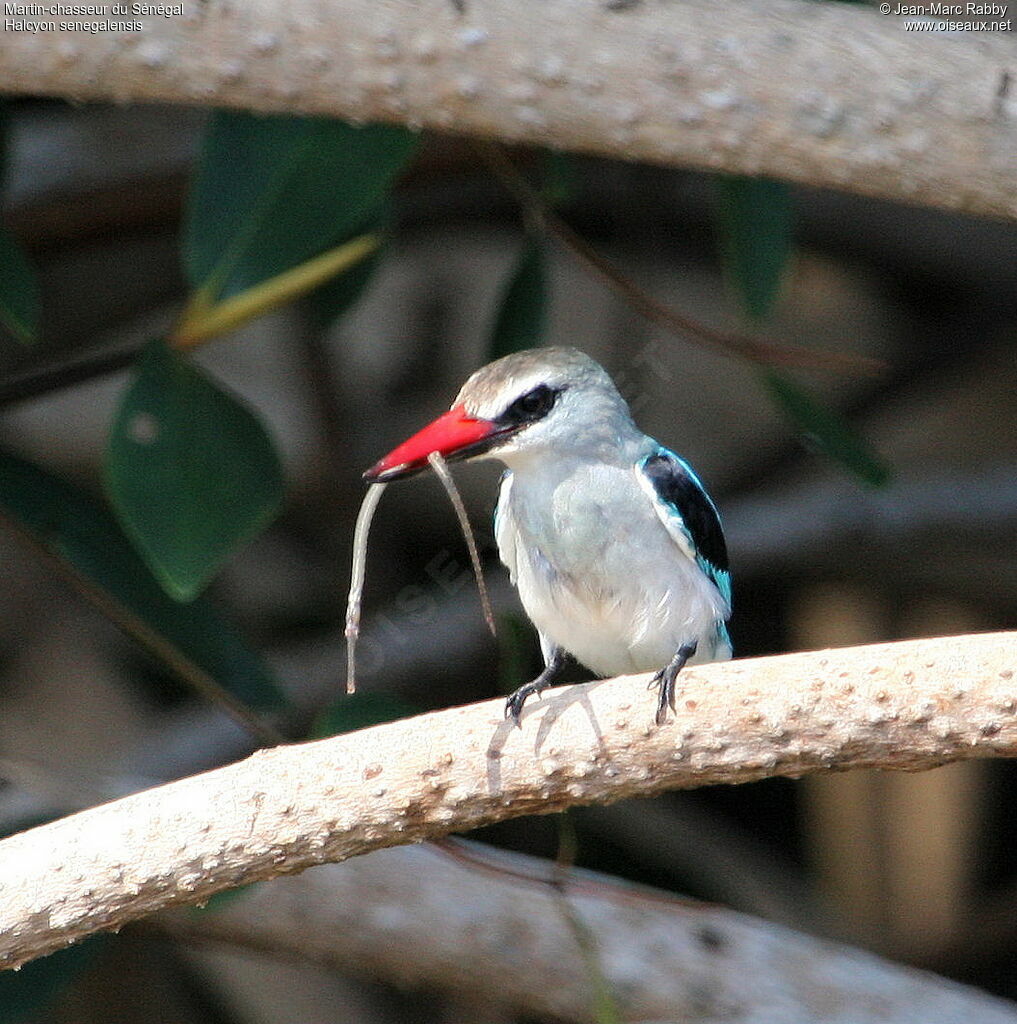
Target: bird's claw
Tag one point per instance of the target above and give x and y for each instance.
(665, 680)
(515, 701)
(514, 705)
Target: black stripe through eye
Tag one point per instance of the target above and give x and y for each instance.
(532, 406)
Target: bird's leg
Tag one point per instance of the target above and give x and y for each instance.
(554, 664)
(666, 676)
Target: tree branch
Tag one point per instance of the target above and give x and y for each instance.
(823, 94)
(910, 705)
(417, 918)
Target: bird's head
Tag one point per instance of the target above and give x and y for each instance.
(552, 401)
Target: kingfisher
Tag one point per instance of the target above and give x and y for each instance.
(613, 543)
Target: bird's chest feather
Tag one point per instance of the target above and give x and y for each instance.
(577, 532)
(598, 573)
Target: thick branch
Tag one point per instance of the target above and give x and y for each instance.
(908, 705)
(419, 919)
(824, 94)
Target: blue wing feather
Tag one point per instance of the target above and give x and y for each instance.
(691, 511)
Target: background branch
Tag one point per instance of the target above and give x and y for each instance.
(912, 705)
(756, 349)
(419, 919)
(823, 94)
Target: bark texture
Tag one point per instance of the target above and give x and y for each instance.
(910, 705)
(820, 93)
(416, 918)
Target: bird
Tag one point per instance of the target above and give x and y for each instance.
(611, 540)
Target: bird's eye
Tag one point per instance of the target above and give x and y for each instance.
(533, 405)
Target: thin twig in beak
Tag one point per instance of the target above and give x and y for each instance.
(357, 573)
(440, 467)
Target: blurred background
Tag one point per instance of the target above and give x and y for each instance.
(920, 868)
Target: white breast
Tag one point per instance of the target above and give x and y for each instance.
(598, 573)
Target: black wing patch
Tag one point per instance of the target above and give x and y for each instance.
(677, 485)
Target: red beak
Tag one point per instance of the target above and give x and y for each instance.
(455, 435)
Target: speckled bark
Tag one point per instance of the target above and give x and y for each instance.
(826, 94)
(907, 705)
(416, 918)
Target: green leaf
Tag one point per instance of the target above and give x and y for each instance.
(514, 648)
(560, 179)
(827, 430)
(89, 544)
(26, 993)
(522, 311)
(4, 137)
(336, 297)
(271, 192)
(756, 236)
(19, 291)
(756, 239)
(190, 471)
(342, 293)
(358, 712)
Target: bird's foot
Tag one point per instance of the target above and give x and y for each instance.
(665, 680)
(515, 701)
